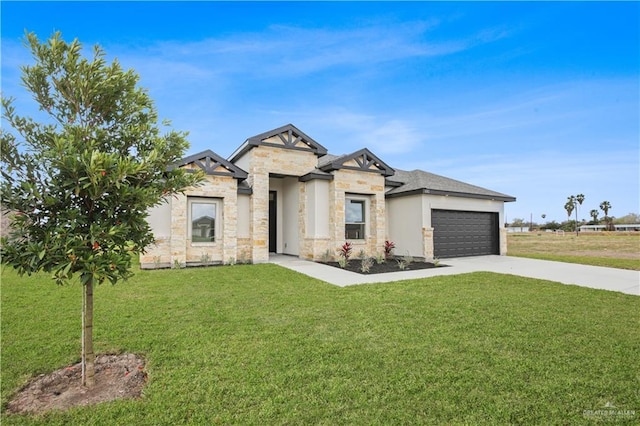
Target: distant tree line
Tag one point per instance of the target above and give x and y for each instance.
(573, 203)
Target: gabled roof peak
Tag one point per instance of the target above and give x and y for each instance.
(212, 164)
(285, 137)
(361, 160)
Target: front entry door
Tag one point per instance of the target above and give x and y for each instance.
(273, 210)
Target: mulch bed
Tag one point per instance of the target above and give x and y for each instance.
(390, 265)
(116, 377)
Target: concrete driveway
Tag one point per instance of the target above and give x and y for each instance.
(612, 279)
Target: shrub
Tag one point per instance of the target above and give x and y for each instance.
(345, 251)
(388, 249)
(380, 258)
(401, 264)
(366, 264)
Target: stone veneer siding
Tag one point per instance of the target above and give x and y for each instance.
(178, 249)
(364, 184)
(503, 240)
(262, 161)
(427, 238)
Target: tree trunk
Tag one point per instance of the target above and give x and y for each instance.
(88, 356)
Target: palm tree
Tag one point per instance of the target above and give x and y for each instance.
(605, 206)
(579, 199)
(594, 215)
(570, 205)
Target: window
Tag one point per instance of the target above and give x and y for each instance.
(355, 219)
(203, 219)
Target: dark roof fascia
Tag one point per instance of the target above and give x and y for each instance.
(234, 171)
(393, 183)
(240, 151)
(244, 188)
(338, 163)
(315, 176)
(275, 145)
(258, 140)
(504, 198)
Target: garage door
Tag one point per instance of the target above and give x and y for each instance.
(461, 233)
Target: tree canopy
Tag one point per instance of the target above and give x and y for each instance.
(80, 184)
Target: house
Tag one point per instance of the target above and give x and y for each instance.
(517, 229)
(281, 192)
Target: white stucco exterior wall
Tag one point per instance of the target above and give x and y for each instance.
(159, 219)
(244, 216)
(317, 209)
(290, 215)
(405, 220)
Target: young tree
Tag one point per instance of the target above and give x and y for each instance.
(80, 184)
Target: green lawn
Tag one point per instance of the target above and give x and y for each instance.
(611, 249)
(264, 345)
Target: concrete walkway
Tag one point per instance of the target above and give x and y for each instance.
(612, 279)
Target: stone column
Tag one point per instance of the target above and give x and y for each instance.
(179, 212)
(427, 243)
(503, 241)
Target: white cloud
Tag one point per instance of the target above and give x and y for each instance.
(284, 50)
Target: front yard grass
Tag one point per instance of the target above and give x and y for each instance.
(611, 249)
(265, 345)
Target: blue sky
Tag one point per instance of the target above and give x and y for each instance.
(539, 100)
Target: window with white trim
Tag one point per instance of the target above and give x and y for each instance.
(355, 218)
(204, 219)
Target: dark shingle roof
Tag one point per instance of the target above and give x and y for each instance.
(421, 182)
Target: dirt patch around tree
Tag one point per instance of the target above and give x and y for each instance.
(116, 377)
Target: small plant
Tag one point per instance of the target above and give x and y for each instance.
(365, 264)
(401, 264)
(342, 262)
(326, 256)
(407, 259)
(177, 264)
(156, 262)
(362, 254)
(380, 258)
(345, 251)
(436, 261)
(231, 261)
(243, 257)
(388, 249)
(205, 258)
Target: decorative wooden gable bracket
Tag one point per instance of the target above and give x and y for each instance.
(289, 141)
(291, 138)
(285, 137)
(362, 160)
(212, 164)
